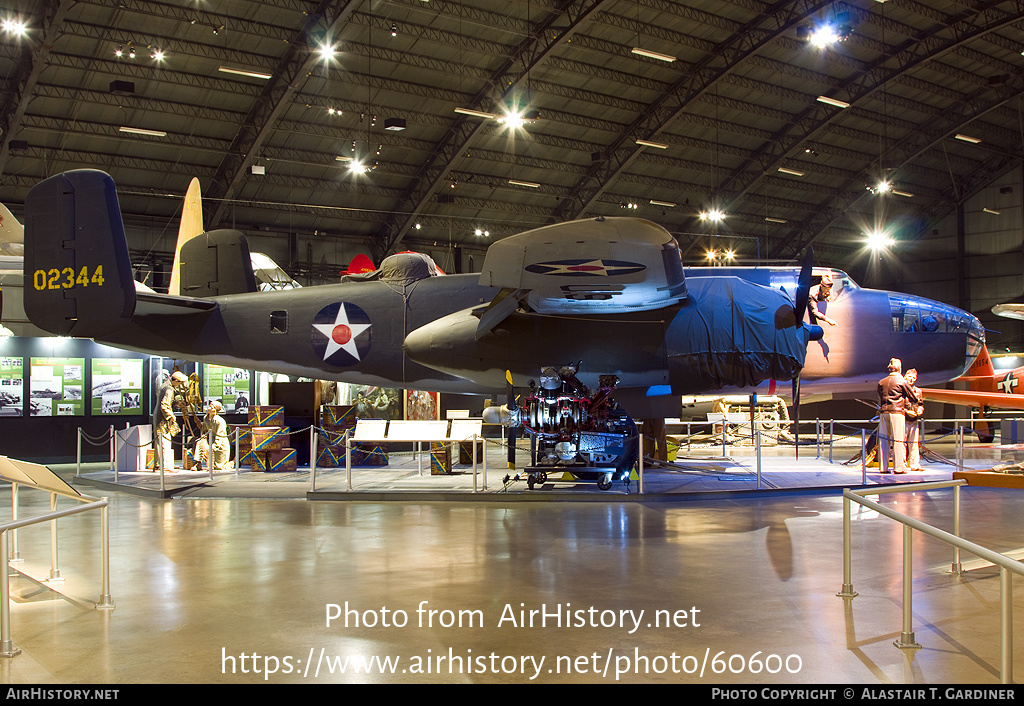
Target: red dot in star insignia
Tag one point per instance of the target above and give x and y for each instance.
(341, 334)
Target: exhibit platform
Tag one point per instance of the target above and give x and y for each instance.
(695, 471)
(238, 591)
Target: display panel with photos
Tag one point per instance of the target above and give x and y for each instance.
(116, 386)
(230, 386)
(12, 386)
(56, 387)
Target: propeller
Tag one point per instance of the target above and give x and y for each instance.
(513, 410)
(803, 293)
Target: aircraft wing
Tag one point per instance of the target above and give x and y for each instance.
(608, 265)
(971, 398)
(1010, 311)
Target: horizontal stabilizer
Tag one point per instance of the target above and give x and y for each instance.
(78, 276)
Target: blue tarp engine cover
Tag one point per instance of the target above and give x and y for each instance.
(401, 268)
(733, 332)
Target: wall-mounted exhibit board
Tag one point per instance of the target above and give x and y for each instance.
(12, 386)
(117, 386)
(50, 387)
(232, 387)
(56, 387)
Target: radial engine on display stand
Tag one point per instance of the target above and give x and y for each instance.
(572, 429)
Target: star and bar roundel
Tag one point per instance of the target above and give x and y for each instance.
(340, 334)
(585, 268)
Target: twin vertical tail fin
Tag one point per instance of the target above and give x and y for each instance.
(12, 235)
(78, 275)
(191, 225)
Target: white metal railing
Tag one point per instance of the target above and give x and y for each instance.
(1006, 565)
(105, 601)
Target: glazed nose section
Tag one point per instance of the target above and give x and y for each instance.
(975, 339)
(936, 317)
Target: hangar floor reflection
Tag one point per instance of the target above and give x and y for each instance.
(733, 590)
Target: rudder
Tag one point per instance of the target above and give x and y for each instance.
(78, 276)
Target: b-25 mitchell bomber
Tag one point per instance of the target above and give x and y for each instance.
(609, 296)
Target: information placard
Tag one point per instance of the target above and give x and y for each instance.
(116, 386)
(55, 387)
(12, 386)
(228, 385)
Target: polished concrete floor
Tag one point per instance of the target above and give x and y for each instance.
(240, 590)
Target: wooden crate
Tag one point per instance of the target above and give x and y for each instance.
(270, 438)
(440, 458)
(281, 461)
(266, 415)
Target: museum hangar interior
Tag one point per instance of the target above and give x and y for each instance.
(887, 135)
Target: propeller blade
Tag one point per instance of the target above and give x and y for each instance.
(803, 295)
(510, 404)
(511, 395)
(796, 415)
(803, 290)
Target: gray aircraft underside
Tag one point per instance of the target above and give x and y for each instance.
(608, 293)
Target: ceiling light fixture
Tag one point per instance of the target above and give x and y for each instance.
(833, 102)
(326, 52)
(905, 194)
(787, 170)
(476, 113)
(251, 73)
(516, 182)
(653, 54)
(775, 220)
(824, 36)
(512, 120)
(142, 131)
(15, 27)
(649, 143)
(967, 138)
(878, 240)
(990, 210)
(666, 204)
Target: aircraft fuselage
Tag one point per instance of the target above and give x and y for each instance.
(284, 332)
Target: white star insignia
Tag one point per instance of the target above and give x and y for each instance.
(341, 334)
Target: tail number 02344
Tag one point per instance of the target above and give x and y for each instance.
(66, 278)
